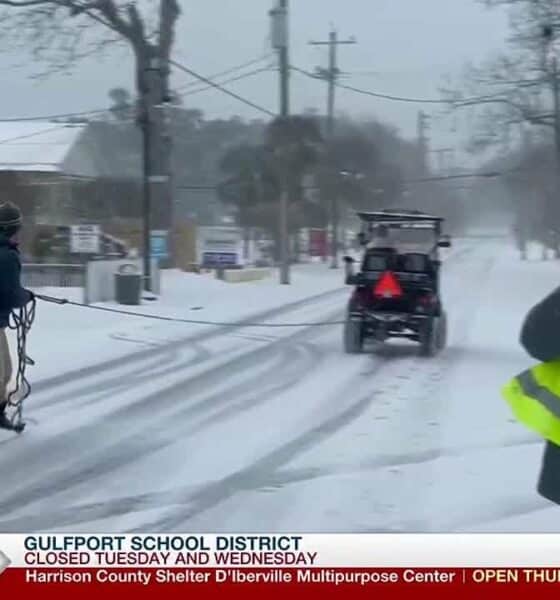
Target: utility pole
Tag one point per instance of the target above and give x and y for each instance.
(423, 141)
(156, 163)
(331, 76)
(284, 61)
(280, 42)
(556, 94)
(149, 100)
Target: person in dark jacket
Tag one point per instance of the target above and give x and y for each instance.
(540, 336)
(12, 294)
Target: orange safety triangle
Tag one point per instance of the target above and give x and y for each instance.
(388, 286)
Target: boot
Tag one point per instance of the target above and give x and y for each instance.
(5, 423)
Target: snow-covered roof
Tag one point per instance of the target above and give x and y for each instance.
(37, 145)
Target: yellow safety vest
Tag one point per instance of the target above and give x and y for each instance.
(534, 397)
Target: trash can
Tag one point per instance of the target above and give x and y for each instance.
(128, 285)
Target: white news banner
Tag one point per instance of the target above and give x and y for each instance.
(211, 550)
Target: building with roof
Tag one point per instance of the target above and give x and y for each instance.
(37, 147)
(53, 171)
(37, 168)
(63, 174)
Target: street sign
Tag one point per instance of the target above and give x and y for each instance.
(158, 244)
(85, 239)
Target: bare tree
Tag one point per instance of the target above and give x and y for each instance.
(515, 97)
(61, 32)
(519, 87)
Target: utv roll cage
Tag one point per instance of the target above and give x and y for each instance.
(397, 219)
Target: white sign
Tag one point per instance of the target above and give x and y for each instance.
(220, 246)
(85, 239)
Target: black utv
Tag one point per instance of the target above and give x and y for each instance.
(396, 291)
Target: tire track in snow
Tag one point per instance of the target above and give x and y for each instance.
(83, 513)
(216, 493)
(131, 449)
(77, 396)
(104, 389)
(107, 388)
(216, 331)
(106, 461)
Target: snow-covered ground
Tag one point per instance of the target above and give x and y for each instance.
(143, 425)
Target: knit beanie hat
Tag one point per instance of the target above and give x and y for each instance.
(10, 216)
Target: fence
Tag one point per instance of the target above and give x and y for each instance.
(35, 275)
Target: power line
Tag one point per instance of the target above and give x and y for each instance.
(93, 112)
(211, 84)
(56, 116)
(34, 134)
(98, 111)
(460, 102)
(479, 175)
(375, 94)
(233, 79)
(244, 65)
(393, 98)
(222, 89)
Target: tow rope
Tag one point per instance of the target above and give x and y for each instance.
(179, 320)
(21, 320)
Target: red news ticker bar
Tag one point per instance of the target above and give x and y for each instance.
(249, 583)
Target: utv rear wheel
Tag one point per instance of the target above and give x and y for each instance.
(353, 338)
(427, 338)
(441, 333)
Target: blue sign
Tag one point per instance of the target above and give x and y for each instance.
(219, 259)
(158, 244)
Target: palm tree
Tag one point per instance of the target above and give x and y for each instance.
(294, 146)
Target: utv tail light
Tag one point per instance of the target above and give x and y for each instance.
(426, 301)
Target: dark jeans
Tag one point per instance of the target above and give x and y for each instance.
(549, 481)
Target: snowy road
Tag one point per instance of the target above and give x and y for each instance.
(276, 429)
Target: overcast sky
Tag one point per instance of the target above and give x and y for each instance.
(404, 48)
